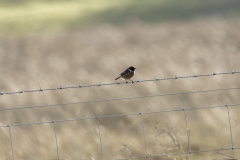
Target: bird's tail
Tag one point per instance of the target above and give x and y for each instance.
(117, 77)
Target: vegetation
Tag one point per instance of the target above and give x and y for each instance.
(54, 43)
(22, 17)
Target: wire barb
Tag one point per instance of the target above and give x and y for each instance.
(80, 86)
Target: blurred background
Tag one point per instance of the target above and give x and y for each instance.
(53, 43)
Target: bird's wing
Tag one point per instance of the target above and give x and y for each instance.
(127, 71)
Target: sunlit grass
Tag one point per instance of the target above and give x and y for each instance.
(98, 55)
(44, 16)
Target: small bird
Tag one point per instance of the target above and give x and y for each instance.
(127, 74)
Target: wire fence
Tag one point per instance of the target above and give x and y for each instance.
(119, 99)
(97, 118)
(118, 83)
(187, 154)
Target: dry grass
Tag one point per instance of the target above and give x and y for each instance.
(98, 55)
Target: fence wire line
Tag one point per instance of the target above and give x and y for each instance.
(187, 130)
(56, 140)
(11, 144)
(117, 83)
(144, 137)
(121, 115)
(141, 113)
(230, 128)
(119, 99)
(100, 137)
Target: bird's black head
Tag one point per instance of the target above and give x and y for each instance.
(132, 68)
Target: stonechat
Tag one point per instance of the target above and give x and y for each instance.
(127, 74)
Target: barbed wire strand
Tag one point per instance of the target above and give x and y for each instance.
(119, 99)
(230, 128)
(147, 156)
(118, 83)
(56, 140)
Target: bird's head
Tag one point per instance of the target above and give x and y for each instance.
(132, 68)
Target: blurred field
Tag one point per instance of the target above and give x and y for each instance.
(97, 54)
(34, 16)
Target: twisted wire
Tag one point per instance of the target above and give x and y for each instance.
(119, 83)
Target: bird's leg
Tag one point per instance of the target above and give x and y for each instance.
(126, 81)
(131, 80)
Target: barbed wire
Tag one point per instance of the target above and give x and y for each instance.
(119, 99)
(118, 83)
(189, 152)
